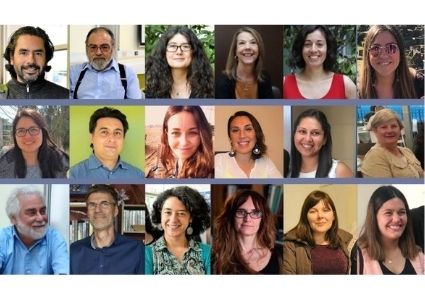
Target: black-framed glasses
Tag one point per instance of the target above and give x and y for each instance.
(254, 214)
(390, 49)
(183, 47)
(33, 131)
(102, 205)
(103, 48)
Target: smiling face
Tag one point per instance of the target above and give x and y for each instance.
(101, 210)
(246, 48)
(391, 218)
(183, 135)
(309, 137)
(108, 139)
(314, 49)
(175, 218)
(242, 135)
(320, 218)
(388, 133)
(384, 64)
(29, 144)
(29, 58)
(179, 59)
(247, 226)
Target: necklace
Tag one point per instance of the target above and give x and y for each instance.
(183, 92)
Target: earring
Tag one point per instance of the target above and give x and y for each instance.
(232, 152)
(256, 150)
(189, 229)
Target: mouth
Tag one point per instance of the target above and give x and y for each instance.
(243, 142)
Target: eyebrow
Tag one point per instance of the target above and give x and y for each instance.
(179, 129)
(114, 129)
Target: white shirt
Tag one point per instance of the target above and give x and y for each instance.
(227, 167)
(331, 174)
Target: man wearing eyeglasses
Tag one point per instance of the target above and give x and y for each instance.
(105, 251)
(30, 245)
(107, 128)
(27, 54)
(102, 77)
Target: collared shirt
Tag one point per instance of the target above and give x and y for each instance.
(49, 255)
(93, 168)
(105, 84)
(159, 260)
(123, 256)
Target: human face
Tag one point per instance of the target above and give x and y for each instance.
(309, 137)
(314, 49)
(31, 221)
(29, 58)
(29, 144)
(385, 64)
(101, 210)
(247, 226)
(183, 135)
(246, 48)
(99, 50)
(108, 139)
(388, 133)
(175, 218)
(320, 218)
(179, 59)
(242, 135)
(392, 219)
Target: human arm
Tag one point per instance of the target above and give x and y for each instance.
(350, 88)
(148, 260)
(375, 164)
(206, 258)
(58, 253)
(133, 87)
(343, 171)
(224, 88)
(218, 166)
(265, 87)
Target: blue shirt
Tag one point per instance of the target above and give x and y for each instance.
(49, 255)
(93, 168)
(105, 84)
(124, 256)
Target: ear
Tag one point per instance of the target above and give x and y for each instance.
(116, 211)
(13, 220)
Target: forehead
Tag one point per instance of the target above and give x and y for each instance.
(100, 196)
(182, 119)
(388, 122)
(241, 121)
(244, 36)
(393, 203)
(316, 35)
(310, 123)
(178, 39)
(173, 203)
(383, 38)
(30, 42)
(99, 37)
(110, 123)
(30, 201)
(24, 122)
(321, 204)
(248, 205)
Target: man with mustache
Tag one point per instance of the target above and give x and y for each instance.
(105, 251)
(30, 245)
(102, 77)
(28, 53)
(107, 128)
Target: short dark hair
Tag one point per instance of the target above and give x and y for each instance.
(28, 30)
(297, 59)
(194, 202)
(107, 112)
(103, 188)
(101, 28)
(259, 135)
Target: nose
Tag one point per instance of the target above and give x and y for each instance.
(183, 139)
(31, 57)
(39, 217)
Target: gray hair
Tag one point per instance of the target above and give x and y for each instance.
(13, 204)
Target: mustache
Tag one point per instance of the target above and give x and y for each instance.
(31, 66)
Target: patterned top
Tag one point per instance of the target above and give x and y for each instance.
(165, 263)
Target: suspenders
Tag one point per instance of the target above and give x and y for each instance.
(122, 77)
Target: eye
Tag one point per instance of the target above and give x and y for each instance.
(302, 131)
(193, 133)
(234, 130)
(118, 133)
(175, 133)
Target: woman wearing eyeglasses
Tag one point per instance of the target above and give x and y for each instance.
(314, 52)
(316, 245)
(182, 214)
(244, 237)
(385, 73)
(34, 154)
(244, 76)
(178, 67)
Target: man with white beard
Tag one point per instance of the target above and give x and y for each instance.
(102, 77)
(30, 245)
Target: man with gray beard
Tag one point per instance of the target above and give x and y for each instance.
(30, 245)
(102, 77)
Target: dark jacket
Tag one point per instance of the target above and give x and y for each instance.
(39, 89)
(225, 87)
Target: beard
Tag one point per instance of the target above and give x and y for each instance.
(100, 63)
(25, 77)
(30, 232)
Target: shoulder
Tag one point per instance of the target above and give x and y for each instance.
(134, 171)
(79, 169)
(342, 170)
(80, 244)
(345, 235)
(129, 70)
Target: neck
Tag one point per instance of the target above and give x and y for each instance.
(176, 241)
(108, 163)
(392, 148)
(314, 73)
(179, 76)
(320, 238)
(104, 237)
(389, 245)
(384, 86)
(245, 72)
(248, 243)
(31, 158)
(243, 158)
(309, 164)
(28, 242)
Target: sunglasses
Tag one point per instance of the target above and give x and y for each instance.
(390, 49)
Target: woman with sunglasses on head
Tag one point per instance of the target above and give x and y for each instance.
(178, 67)
(34, 154)
(244, 237)
(385, 73)
(316, 245)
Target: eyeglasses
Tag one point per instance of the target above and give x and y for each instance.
(33, 131)
(390, 49)
(103, 48)
(102, 205)
(183, 47)
(254, 214)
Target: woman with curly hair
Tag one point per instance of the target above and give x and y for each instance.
(244, 237)
(178, 67)
(186, 146)
(34, 154)
(182, 214)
